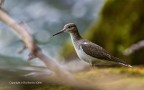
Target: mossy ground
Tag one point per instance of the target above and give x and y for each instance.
(115, 78)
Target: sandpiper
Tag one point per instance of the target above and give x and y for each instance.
(89, 51)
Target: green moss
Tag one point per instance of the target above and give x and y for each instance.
(135, 71)
(53, 88)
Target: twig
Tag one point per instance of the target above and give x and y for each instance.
(134, 47)
(26, 37)
(1, 3)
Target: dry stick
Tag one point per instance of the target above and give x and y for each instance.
(134, 47)
(1, 2)
(35, 50)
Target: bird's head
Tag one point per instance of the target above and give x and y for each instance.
(70, 27)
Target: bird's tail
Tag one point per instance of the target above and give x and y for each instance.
(127, 65)
(121, 62)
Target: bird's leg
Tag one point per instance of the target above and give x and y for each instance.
(92, 66)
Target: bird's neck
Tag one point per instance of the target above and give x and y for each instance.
(75, 35)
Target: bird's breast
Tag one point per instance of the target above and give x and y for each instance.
(82, 55)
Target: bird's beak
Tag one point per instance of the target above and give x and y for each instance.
(59, 32)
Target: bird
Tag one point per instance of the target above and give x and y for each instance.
(87, 50)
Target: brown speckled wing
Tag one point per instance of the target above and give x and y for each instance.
(98, 52)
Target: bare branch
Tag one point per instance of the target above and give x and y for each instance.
(1, 2)
(22, 49)
(27, 38)
(134, 47)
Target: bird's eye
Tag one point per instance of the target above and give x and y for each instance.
(69, 26)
